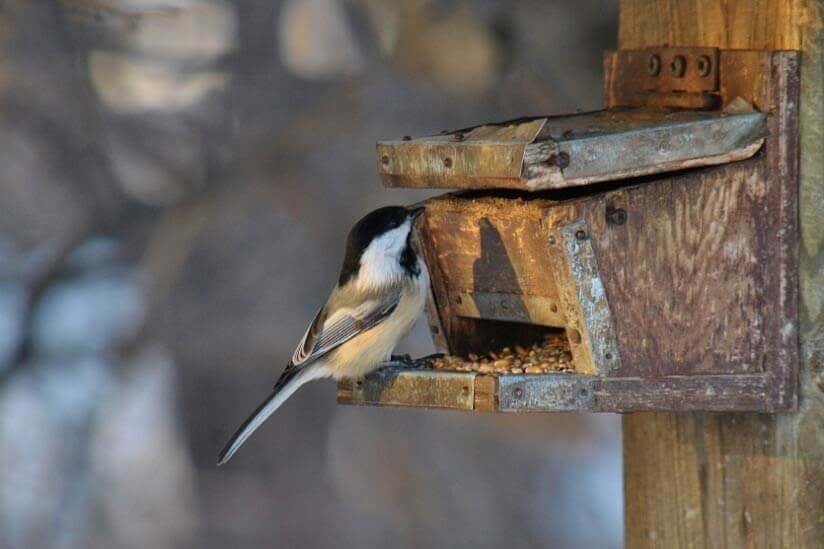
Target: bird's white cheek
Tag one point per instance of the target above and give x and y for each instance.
(378, 270)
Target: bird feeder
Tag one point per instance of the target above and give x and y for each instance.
(652, 244)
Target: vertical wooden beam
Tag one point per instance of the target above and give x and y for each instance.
(741, 480)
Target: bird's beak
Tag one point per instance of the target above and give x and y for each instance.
(415, 211)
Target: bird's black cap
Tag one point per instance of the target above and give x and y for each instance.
(368, 227)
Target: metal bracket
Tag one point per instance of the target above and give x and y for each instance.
(664, 77)
(589, 321)
(556, 392)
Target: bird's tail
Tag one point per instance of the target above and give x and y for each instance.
(282, 390)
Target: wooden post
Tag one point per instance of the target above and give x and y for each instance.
(740, 480)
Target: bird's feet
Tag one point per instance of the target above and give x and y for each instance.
(405, 360)
(422, 362)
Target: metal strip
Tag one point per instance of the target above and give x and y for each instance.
(547, 392)
(508, 308)
(398, 387)
(595, 316)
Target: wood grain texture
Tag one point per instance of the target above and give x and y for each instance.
(729, 24)
(741, 480)
(690, 260)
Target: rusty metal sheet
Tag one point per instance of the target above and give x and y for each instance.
(573, 150)
(421, 388)
(494, 150)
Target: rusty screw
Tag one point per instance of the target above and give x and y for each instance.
(704, 65)
(581, 234)
(552, 240)
(385, 160)
(678, 66)
(447, 162)
(458, 300)
(518, 392)
(653, 65)
(616, 216)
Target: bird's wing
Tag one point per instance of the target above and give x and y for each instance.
(333, 328)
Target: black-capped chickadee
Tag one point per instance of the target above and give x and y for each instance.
(380, 292)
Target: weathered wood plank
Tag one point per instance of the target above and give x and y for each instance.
(736, 480)
(691, 259)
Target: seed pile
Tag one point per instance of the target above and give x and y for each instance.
(551, 356)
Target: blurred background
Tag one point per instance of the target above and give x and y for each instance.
(176, 181)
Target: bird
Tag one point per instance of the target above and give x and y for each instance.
(380, 292)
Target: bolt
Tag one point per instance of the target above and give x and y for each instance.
(447, 162)
(518, 392)
(385, 159)
(552, 240)
(581, 234)
(678, 66)
(704, 65)
(459, 136)
(465, 391)
(608, 356)
(583, 392)
(561, 160)
(616, 216)
(653, 65)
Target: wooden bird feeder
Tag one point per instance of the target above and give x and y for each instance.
(658, 237)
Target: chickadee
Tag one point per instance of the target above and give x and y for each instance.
(380, 292)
